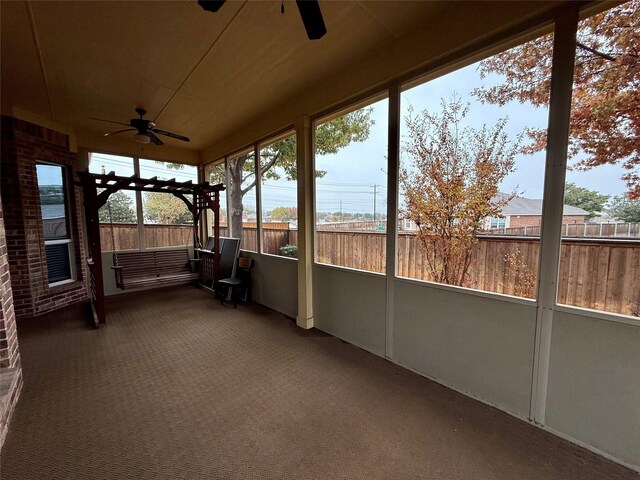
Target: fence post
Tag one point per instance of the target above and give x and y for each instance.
(564, 46)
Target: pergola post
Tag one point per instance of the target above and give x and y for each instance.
(96, 284)
(305, 176)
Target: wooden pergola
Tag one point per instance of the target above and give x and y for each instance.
(96, 190)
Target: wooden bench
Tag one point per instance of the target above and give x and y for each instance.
(142, 269)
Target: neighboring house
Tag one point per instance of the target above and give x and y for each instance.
(527, 212)
(518, 212)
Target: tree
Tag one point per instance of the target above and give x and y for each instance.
(330, 137)
(589, 200)
(605, 111)
(624, 209)
(451, 184)
(284, 214)
(166, 208)
(122, 210)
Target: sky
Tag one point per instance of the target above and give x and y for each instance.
(148, 168)
(49, 174)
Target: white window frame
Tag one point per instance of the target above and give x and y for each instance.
(501, 222)
(72, 263)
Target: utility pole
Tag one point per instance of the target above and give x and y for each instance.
(375, 195)
(341, 217)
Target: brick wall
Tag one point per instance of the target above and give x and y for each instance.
(534, 220)
(23, 144)
(10, 370)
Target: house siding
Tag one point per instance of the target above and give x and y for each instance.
(535, 220)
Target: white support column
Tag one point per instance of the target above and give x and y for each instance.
(393, 168)
(564, 45)
(258, 176)
(139, 211)
(305, 176)
(227, 195)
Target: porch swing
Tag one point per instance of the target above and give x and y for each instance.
(151, 268)
(135, 269)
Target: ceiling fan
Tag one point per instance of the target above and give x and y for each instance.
(309, 12)
(146, 129)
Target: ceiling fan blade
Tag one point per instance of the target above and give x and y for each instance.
(171, 134)
(312, 18)
(155, 140)
(211, 5)
(110, 121)
(119, 131)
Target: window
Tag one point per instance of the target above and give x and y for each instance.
(215, 173)
(119, 217)
(466, 165)
(55, 219)
(242, 199)
(600, 249)
(279, 198)
(167, 219)
(497, 222)
(351, 188)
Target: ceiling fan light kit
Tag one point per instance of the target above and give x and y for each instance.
(142, 138)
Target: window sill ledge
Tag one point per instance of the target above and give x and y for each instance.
(66, 285)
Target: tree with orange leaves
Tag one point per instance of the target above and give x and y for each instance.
(605, 112)
(450, 182)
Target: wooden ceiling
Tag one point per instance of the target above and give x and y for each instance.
(204, 75)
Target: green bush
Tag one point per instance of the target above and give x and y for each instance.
(289, 251)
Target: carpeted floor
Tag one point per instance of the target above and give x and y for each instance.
(178, 387)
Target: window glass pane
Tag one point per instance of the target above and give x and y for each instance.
(472, 174)
(279, 198)
(53, 205)
(242, 200)
(215, 174)
(58, 265)
(600, 251)
(351, 189)
(118, 218)
(167, 219)
(51, 186)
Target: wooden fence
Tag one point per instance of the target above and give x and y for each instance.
(585, 230)
(602, 274)
(126, 236)
(362, 225)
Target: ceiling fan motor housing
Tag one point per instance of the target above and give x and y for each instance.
(141, 124)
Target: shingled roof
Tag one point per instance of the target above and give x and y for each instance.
(533, 206)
